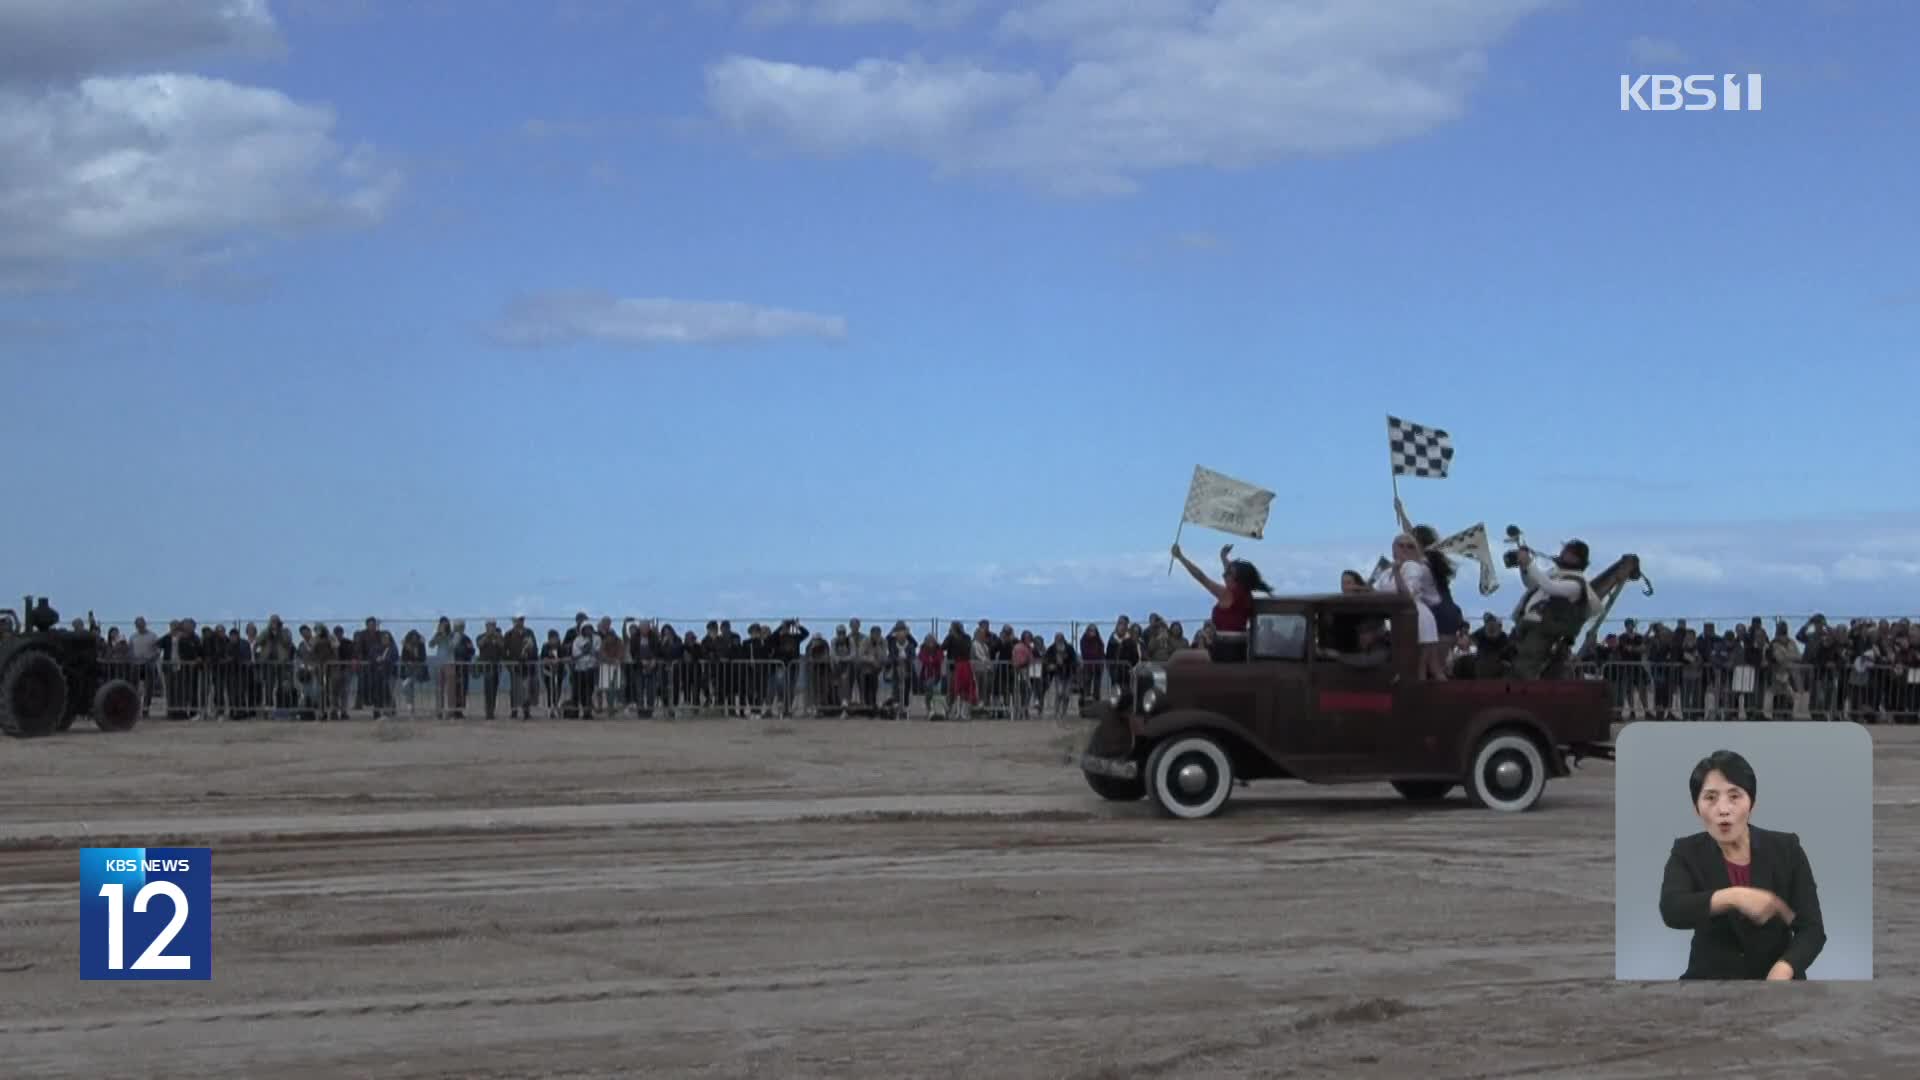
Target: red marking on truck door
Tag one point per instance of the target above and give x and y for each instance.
(1355, 701)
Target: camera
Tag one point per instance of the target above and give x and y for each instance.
(1511, 559)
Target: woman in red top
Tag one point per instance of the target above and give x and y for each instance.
(1233, 600)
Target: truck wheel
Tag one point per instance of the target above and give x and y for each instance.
(1422, 790)
(1190, 776)
(116, 706)
(1115, 789)
(33, 696)
(1508, 773)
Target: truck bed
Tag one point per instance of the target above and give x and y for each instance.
(1577, 712)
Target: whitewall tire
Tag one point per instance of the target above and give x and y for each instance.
(1508, 773)
(1190, 776)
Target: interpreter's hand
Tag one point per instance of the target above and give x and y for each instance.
(1759, 905)
(1780, 972)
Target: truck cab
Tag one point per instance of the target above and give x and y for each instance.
(1329, 692)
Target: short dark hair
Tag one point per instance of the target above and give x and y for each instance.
(1727, 764)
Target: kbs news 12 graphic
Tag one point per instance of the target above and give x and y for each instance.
(146, 913)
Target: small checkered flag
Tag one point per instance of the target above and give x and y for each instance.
(1417, 450)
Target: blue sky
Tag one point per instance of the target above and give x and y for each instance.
(930, 307)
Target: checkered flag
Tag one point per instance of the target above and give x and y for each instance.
(1417, 450)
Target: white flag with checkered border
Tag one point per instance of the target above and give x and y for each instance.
(1472, 544)
(1218, 501)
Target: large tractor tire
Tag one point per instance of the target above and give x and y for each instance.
(33, 696)
(116, 706)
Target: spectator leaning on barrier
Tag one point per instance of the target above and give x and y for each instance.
(961, 689)
(1093, 655)
(932, 670)
(670, 649)
(1635, 686)
(789, 639)
(322, 658)
(554, 656)
(755, 655)
(902, 650)
(490, 649)
(586, 668)
(143, 652)
(637, 637)
(1062, 667)
(873, 660)
(1784, 660)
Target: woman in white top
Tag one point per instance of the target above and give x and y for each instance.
(1410, 577)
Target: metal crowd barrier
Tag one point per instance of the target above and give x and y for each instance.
(1840, 691)
(569, 688)
(566, 688)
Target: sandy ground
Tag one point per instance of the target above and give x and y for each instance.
(862, 899)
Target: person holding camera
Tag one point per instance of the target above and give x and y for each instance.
(1554, 608)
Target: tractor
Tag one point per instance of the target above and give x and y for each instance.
(49, 676)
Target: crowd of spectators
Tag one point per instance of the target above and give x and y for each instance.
(1864, 669)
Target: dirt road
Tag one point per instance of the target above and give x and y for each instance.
(862, 899)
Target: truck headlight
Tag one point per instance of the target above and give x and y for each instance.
(1150, 701)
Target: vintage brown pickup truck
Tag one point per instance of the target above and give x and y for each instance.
(1329, 693)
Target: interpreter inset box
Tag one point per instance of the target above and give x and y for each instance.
(1743, 851)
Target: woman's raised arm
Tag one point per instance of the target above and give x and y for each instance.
(1218, 590)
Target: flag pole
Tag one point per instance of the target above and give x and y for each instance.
(1393, 472)
(1176, 543)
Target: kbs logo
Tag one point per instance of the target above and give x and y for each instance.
(146, 913)
(1693, 93)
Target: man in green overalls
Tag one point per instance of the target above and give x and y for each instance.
(1550, 615)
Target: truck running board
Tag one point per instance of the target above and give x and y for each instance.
(1576, 751)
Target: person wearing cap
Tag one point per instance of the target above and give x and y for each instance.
(522, 650)
(1553, 609)
(1492, 649)
(491, 649)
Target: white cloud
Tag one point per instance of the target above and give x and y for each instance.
(562, 318)
(58, 41)
(1676, 565)
(919, 13)
(875, 103)
(1655, 51)
(100, 167)
(1140, 87)
(168, 166)
(1861, 568)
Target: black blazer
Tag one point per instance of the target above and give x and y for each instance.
(1729, 945)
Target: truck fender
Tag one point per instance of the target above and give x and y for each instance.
(1519, 720)
(1235, 739)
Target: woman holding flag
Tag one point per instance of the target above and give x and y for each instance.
(1233, 600)
(1410, 576)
